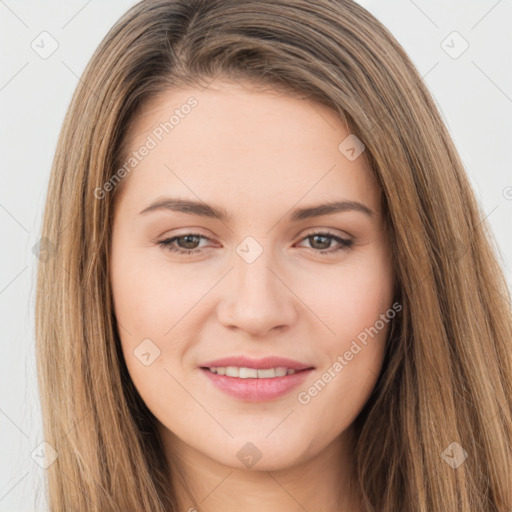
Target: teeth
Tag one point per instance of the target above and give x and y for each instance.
(251, 373)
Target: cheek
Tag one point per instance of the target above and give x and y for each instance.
(145, 306)
(358, 309)
(353, 297)
(149, 296)
(154, 305)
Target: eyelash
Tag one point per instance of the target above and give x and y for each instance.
(344, 243)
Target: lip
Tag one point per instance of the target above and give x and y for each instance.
(259, 364)
(257, 390)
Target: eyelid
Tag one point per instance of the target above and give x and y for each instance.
(178, 233)
(308, 232)
(330, 231)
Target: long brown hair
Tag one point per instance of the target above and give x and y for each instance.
(447, 374)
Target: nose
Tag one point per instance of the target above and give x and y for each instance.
(256, 299)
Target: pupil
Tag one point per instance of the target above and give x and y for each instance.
(326, 239)
(189, 239)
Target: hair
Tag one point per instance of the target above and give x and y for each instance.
(447, 370)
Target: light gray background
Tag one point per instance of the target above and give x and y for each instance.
(473, 92)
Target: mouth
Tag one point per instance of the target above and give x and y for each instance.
(253, 373)
(255, 384)
(247, 364)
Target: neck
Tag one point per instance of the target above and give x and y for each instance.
(322, 482)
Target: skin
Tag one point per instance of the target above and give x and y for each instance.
(259, 155)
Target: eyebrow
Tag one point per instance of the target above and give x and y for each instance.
(217, 212)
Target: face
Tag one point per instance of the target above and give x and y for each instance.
(221, 249)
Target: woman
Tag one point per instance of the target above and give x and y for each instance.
(273, 287)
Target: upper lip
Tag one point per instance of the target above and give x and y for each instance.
(259, 364)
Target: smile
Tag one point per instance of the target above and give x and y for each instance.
(252, 373)
(255, 385)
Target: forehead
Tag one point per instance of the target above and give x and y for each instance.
(241, 144)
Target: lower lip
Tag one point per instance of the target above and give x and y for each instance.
(257, 390)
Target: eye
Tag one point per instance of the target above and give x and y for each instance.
(323, 242)
(188, 243)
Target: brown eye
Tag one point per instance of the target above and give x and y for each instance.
(190, 241)
(322, 242)
(184, 244)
